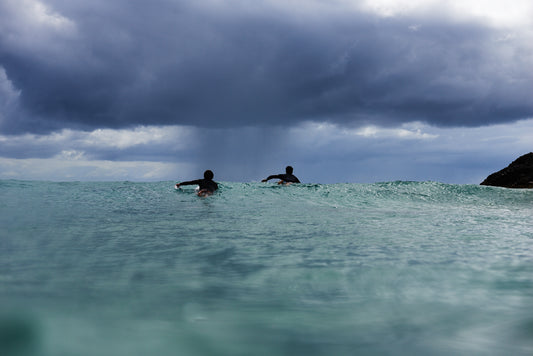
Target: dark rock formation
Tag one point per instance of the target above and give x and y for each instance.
(518, 174)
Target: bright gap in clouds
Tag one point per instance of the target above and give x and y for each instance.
(33, 26)
(516, 13)
(320, 153)
(139, 154)
(73, 166)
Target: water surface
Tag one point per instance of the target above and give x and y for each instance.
(126, 268)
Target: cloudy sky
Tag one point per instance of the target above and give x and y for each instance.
(345, 91)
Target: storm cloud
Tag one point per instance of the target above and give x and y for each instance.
(121, 64)
(345, 91)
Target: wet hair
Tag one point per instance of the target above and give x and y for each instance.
(288, 170)
(208, 174)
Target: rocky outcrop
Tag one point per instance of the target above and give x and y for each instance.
(518, 174)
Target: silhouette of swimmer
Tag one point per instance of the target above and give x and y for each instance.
(287, 178)
(207, 185)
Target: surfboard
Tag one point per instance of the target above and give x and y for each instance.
(197, 191)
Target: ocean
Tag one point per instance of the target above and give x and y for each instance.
(394, 268)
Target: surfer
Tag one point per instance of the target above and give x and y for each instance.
(207, 185)
(287, 178)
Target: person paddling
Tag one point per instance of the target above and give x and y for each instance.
(287, 178)
(207, 185)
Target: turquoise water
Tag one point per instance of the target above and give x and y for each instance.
(397, 268)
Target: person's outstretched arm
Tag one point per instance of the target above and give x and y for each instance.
(191, 182)
(271, 177)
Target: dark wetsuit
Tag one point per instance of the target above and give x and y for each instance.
(207, 184)
(288, 178)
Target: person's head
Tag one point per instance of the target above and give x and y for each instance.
(288, 170)
(208, 174)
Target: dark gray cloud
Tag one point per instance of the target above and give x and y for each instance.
(126, 63)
